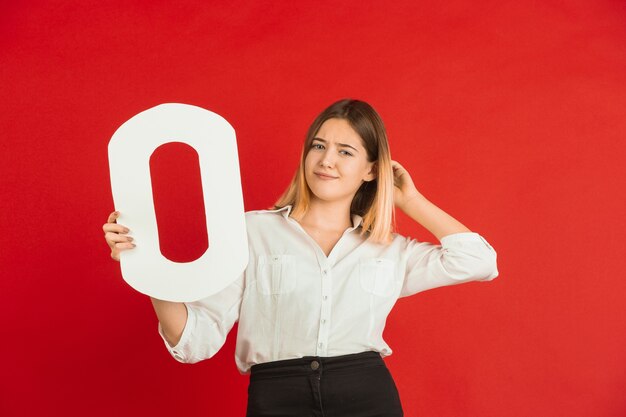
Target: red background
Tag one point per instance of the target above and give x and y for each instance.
(509, 115)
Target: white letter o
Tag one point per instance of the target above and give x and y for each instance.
(144, 267)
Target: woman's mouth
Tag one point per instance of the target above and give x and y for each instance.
(324, 176)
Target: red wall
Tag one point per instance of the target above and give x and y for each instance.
(510, 116)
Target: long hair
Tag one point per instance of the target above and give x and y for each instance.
(374, 199)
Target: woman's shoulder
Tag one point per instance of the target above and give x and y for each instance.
(254, 213)
(261, 217)
(261, 211)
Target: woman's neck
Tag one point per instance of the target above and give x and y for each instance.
(327, 216)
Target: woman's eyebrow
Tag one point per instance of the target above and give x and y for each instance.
(339, 144)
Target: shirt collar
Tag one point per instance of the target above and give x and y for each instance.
(356, 219)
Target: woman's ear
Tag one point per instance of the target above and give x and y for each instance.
(371, 175)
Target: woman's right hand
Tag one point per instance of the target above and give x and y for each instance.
(115, 236)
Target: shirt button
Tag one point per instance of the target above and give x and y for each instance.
(325, 271)
(325, 297)
(321, 344)
(315, 365)
(323, 321)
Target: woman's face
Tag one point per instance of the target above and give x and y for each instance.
(336, 164)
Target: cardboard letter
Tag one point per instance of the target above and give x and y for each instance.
(144, 267)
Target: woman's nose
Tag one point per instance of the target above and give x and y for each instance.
(327, 159)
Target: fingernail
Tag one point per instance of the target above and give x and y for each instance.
(126, 230)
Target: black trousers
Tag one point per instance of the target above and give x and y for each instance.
(355, 385)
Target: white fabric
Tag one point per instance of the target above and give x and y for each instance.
(293, 301)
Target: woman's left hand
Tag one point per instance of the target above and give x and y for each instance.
(404, 189)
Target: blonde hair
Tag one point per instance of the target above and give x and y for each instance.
(374, 199)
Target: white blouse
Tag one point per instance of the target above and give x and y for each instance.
(293, 301)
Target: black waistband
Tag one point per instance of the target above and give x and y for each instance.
(311, 364)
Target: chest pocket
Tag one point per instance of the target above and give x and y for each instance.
(377, 276)
(276, 274)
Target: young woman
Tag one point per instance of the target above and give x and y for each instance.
(324, 272)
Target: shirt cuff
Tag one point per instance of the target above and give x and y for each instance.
(468, 242)
(181, 351)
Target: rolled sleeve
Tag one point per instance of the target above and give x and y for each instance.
(182, 347)
(209, 321)
(461, 257)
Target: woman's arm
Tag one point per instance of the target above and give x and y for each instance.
(173, 317)
(461, 257)
(417, 207)
(437, 221)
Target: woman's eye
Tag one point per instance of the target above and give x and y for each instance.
(320, 146)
